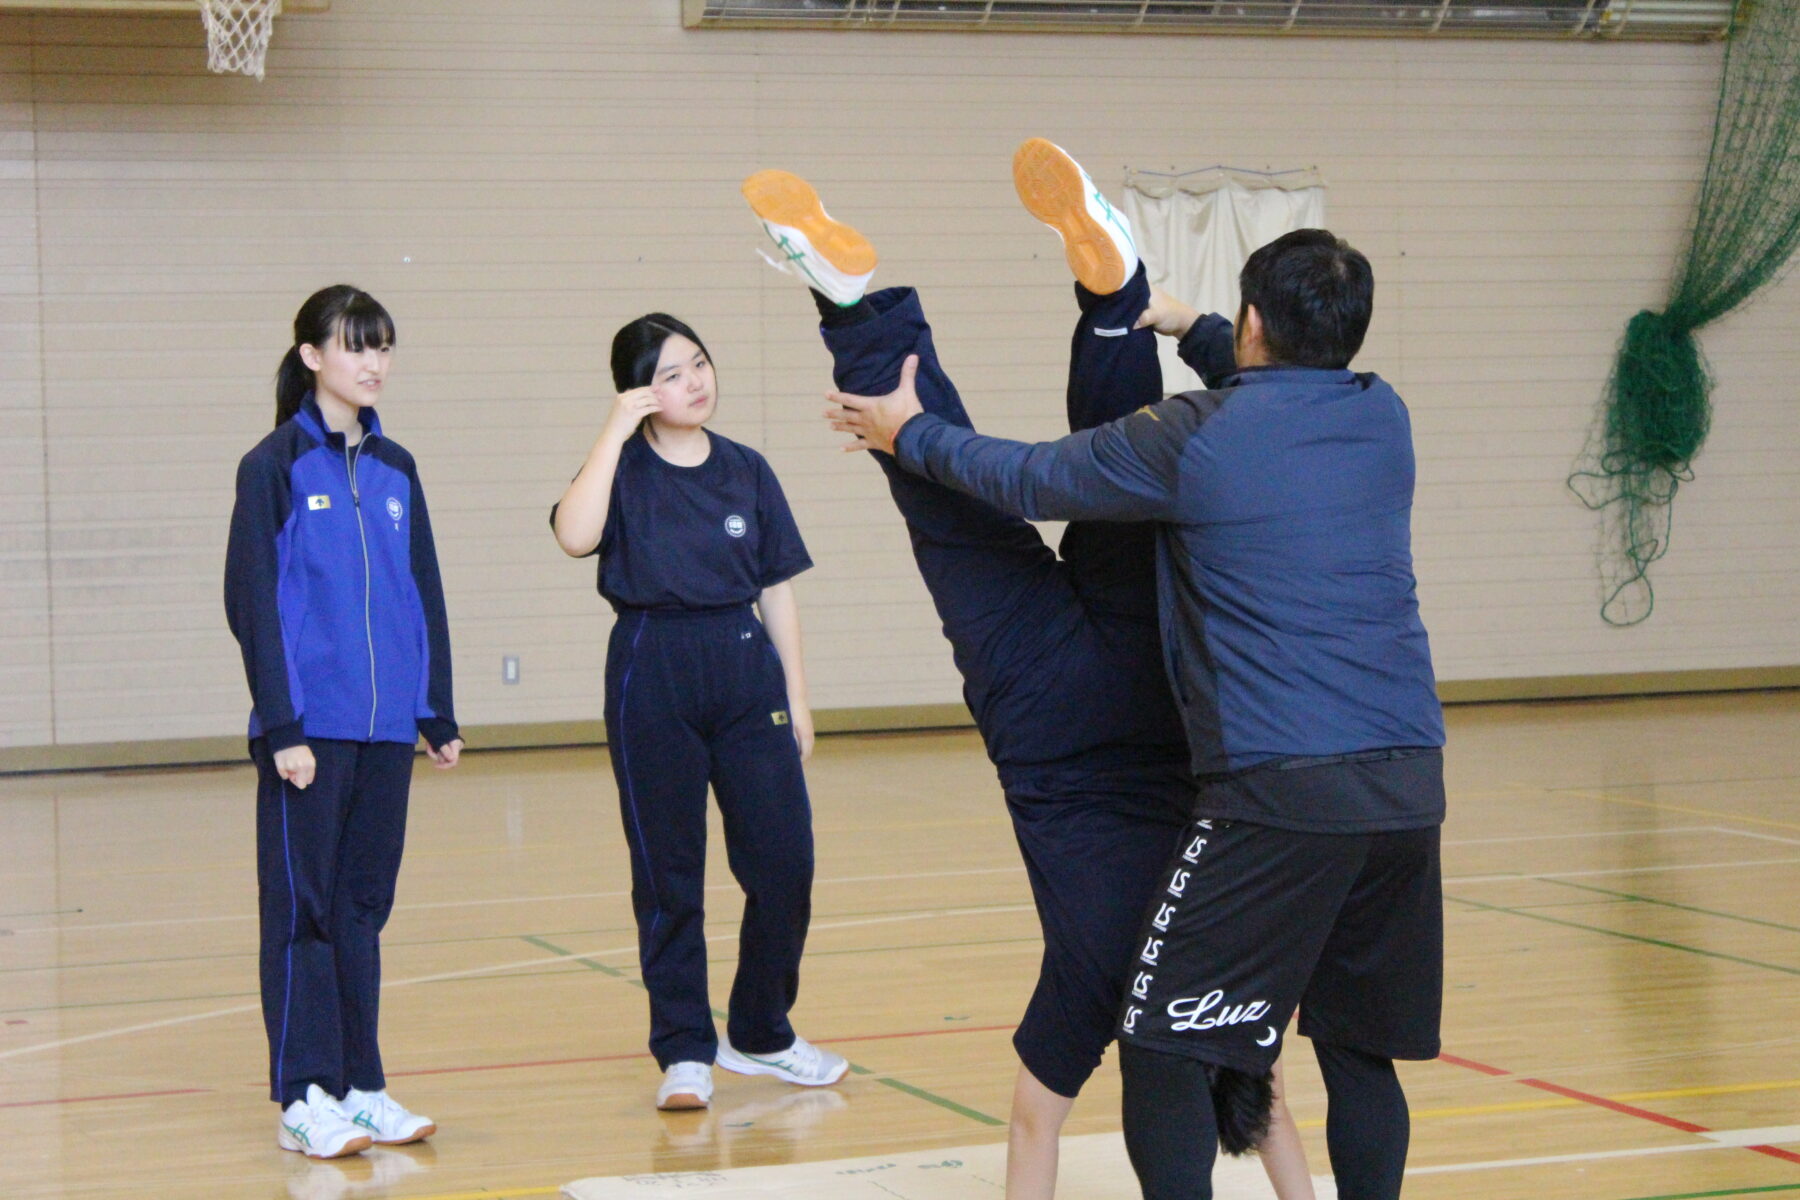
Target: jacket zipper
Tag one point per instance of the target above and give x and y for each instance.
(350, 461)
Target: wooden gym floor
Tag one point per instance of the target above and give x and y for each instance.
(1622, 1004)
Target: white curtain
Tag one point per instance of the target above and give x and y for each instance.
(1195, 229)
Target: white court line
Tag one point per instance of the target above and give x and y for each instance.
(1095, 1163)
(435, 904)
(855, 879)
(1773, 1135)
(495, 969)
(1766, 837)
(1724, 1139)
(1608, 833)
(1643, 870)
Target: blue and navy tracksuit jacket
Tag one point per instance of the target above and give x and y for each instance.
(1290, 623)
(332, 589)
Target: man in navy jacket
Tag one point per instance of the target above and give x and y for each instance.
(1292, 639)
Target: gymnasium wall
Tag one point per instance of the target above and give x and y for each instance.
(515, 180)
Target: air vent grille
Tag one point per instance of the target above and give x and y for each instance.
(1623, 19)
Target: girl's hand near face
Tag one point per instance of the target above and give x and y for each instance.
(581, 513)
(296, 765)
(629, 410)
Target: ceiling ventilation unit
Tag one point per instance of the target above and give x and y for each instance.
(1635, 20)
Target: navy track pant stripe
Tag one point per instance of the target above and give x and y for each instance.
(692, 701)
(328, 857)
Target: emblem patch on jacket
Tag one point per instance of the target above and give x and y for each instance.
(315, 503)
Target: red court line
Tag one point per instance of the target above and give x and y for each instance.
(1630, 1110)
(119, 1096)
(507, 1066)
(882, 1037)
(514, 1066)
(565, 1062)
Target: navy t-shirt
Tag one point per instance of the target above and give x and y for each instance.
(695, 537)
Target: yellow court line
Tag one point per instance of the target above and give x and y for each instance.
(1722, 1089)
(1472, 1110)
(1674, 808)
(494, 1193)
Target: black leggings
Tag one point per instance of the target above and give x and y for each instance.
(1171, 1130)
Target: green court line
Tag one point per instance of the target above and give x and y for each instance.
(1570, 904)
(128, 1003)
(1630, 937)
(924, 946)
(589, 963)
(493, 977)
(931, 1097)
(388, 944)
(1693, 908)
(1744, 1191)
(898, 1085)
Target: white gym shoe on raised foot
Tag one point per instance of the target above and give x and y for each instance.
(685, 1085)
(385, 1119)
(318, 1128)
(1096, 236)
(802, 1063)
(829, 255)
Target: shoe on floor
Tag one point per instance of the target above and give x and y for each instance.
(318, 1128)
(1096, 236)
(685, 1085)
(384, 1119)
(802, 1063)
(830, 256)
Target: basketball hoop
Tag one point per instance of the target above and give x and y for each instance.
(237, 34)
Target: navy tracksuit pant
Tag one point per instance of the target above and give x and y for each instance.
(1062, 668)
(326, 861)
(692, 699)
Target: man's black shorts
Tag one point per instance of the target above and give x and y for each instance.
(1252, 920)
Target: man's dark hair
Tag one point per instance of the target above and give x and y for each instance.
(1315, 293)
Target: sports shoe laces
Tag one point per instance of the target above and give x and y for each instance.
(803, 1055)
(382, 1111)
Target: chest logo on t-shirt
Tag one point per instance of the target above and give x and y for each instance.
(736, 526)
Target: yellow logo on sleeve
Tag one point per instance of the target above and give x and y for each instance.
(315, 503)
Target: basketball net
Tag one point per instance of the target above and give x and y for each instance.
(237, 34)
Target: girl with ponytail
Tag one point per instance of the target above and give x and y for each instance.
(332, 591)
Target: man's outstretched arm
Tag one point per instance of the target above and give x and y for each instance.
(1128, 470)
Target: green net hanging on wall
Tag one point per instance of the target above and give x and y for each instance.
(1656, 409)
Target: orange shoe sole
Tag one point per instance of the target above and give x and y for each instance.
(784, 199)
(420, 1136)
(1051, 188)
(683, 1101)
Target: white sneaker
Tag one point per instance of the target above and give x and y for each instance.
(802, 1063)
(318, 1128)
(685, 1085)
(384, 1118)
(829, 255)
(1096, 236)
